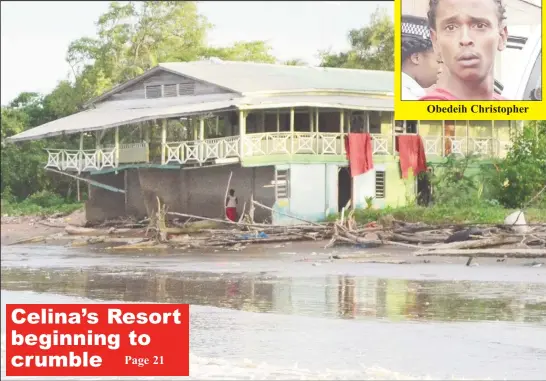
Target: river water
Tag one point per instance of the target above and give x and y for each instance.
(282, 315)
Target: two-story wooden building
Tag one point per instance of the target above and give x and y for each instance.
(180, 129)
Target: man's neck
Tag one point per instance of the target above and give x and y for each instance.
(470, 90)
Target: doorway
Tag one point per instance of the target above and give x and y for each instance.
(424, 188)
(344, 187)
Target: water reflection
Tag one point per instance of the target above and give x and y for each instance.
(331, 296)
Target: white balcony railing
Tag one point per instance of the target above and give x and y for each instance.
(96, 159)
(260, 144)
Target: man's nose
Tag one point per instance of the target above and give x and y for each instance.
(465, 39)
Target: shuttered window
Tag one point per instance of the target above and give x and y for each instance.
(281, 183)
(169, 91)
(379, 184)
(187, 88)
(153, 91)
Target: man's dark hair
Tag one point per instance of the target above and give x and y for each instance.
(433, 5)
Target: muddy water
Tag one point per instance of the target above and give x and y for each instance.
(280, 315)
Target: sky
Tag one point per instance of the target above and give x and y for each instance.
(35, 35)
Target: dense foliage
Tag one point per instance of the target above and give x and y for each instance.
(515, 181)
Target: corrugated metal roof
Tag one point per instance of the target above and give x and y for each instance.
(248, 77)
(98, 119)
(341, 101)
(118, 113)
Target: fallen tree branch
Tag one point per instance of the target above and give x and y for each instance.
(494, 253)
(480, 243)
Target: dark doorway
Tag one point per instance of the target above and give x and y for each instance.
(424, 188)
(344, 187)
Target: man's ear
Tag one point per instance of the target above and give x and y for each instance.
(415, 58)
(504, 39)
(434, 39)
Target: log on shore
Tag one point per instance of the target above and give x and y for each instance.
(491, 253)
(480, 243)
(80, 231)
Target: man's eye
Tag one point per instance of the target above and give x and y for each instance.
(481, 25)
(450, 27)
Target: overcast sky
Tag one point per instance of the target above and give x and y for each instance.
(35, 35)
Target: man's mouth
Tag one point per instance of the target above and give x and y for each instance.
(468, 59)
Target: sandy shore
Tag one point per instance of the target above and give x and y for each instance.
(14, 229)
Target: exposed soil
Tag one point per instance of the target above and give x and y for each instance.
(20, 228)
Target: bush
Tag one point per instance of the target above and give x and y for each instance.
(523, 171)
(45, 199)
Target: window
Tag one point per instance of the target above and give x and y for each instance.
(281, 183)
(187, 88)
(153, 91)
(169, 91)
(375, 122)
(533, 90)
(405, 126)
(379, 184)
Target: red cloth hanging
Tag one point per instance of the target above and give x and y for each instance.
(359, 152)
(412, 154)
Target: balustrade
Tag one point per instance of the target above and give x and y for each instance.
(259, 144)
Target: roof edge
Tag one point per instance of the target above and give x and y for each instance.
(316, 91)
(120, 87)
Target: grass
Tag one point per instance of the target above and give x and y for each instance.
(29, 208)
(443, 214)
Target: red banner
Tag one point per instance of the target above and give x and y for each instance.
(97, 340)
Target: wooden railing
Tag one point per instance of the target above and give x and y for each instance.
(260, 144)
(96, 159)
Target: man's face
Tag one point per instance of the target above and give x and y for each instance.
(467, 36)
(427, 68)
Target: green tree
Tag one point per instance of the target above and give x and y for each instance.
(372, 47)
(295, 62)
(523, 172)
(252, 51)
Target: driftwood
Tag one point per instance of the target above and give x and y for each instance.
(493, 253)
(79, 231)
(480, 243)
(221, 233)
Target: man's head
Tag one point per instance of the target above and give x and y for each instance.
(231, 192)
(466, 35)
(418, 58)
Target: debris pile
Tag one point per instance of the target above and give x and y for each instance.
(514, 239)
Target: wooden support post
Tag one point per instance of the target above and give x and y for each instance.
(278, 121)
(310, 119)
(316, 119)
(217, 125)
(116, 146)
(81, 159)
(292, 114)
(242, 131)
(163, 141)
(292, 117)
(342, 121)
(147, 140)
(201, 128)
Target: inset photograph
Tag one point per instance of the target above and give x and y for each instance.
(471, 50)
